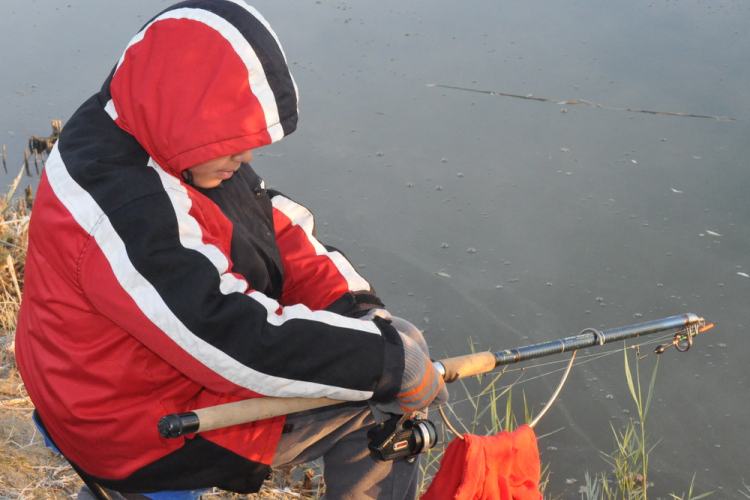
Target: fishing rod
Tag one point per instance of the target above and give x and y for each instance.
(451, 369)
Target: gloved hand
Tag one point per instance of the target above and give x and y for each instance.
(421, 383)
(415, 334)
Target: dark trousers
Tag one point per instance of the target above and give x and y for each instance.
(338, 435)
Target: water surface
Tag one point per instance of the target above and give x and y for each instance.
(503, 220)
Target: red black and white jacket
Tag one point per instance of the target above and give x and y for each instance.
(145, 296)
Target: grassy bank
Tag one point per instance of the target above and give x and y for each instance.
(27, 469)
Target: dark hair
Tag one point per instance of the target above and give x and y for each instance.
(187, 176)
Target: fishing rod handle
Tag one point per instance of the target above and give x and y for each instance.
(240, 412)
(465, 366)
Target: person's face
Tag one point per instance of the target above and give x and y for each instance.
(209, 174)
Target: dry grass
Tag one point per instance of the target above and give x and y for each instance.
(28, 470)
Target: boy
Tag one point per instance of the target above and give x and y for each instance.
(162, 276)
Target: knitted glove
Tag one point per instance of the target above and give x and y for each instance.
(421, 382)
(411, 331)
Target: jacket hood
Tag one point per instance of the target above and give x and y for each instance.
(202, 80)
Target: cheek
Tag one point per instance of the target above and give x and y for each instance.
(206, 168)
(244, 157)
(206, 181)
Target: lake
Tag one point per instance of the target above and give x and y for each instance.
(496, 221)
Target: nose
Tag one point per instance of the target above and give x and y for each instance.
(243, 157)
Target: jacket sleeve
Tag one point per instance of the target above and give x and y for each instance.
(158, 268)
(316, 275)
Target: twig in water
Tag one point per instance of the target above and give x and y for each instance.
(26, 163)
(581, 101)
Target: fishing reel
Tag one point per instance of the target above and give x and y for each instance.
(400, 437)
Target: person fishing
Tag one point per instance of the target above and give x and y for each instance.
(162, 276)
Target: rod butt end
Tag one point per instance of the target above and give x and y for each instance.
(178, 424)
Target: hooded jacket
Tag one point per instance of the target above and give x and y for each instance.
(145, 296)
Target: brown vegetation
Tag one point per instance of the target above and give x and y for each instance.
(28, 470)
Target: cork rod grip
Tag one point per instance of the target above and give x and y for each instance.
(468, 365)
(251, 410)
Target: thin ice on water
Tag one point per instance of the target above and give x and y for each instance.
(582, 101)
